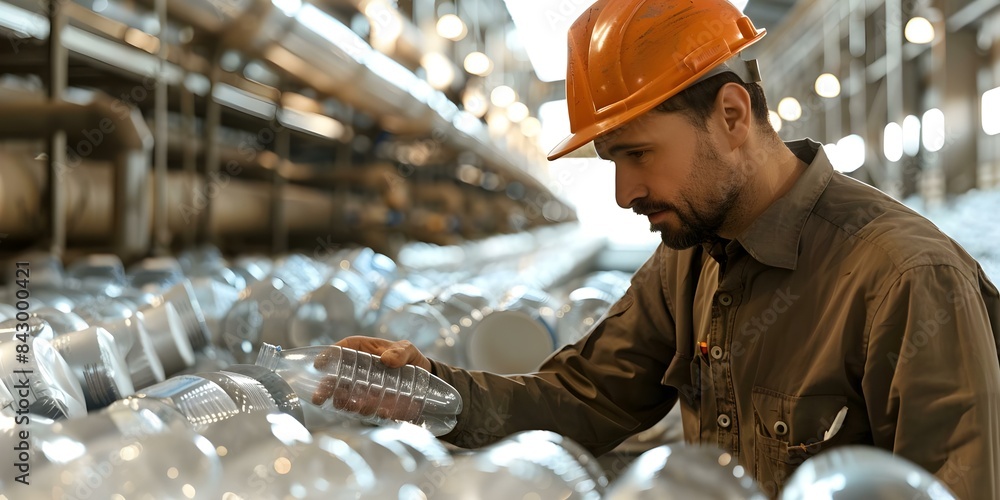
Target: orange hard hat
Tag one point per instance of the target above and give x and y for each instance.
(628, 56)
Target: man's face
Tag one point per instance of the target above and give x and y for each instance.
(675, 174)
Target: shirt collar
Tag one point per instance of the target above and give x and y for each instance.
(773, 238)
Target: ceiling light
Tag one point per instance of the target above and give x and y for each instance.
(451, 27)
(827, 85)
(991, 119)
(440, 72)
(503, 96)
(911, 135)
(932, 129)
(892, 142)
(850, 153)
(386, 25)
(775, 120)
(517, 112)
(475, 102)
(497, 122)
(531, 127)
(478, 64)
(789, 109)
(919, 30)
(833, 155)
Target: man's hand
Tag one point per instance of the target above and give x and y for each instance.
(393, 354)
(361, 398)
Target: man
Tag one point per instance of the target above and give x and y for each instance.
(785, 297)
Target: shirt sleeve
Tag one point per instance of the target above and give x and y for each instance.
(596, 392)
(932, 378)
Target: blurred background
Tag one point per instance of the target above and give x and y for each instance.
(273, 125)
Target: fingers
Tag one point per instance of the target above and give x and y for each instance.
(325, 358)
(391, 354)
(367, 344)
(325, 390)
(404, 353)
(359, 399)
(339, 391)
(374, 393)
(370, 345)
(397, 356)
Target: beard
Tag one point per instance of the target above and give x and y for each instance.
(701, 217)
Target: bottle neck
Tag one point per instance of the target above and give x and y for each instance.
(268, 356)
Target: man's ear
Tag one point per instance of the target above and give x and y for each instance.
(733, 113)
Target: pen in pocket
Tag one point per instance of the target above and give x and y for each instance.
(838, 421)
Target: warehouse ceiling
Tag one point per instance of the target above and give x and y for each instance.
(544, 35)
(768, 14)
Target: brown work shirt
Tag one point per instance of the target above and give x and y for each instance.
(836, 297)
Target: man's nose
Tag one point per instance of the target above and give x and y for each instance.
(628, 187)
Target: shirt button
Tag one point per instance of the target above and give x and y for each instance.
(725, 299)
(717, 352)
(724, 421)
(780, 428)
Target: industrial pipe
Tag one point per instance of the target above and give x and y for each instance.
(240, 207)
(98, 126)
(318, 50)
(243, 208)
(382, 178)
(88, 208)
(441, 195)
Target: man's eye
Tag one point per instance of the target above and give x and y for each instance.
(636, 154)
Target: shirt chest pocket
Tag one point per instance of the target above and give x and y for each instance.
(791, 429)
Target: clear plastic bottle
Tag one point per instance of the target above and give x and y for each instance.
(406, 312)
(136, 449)
(261, 314)
(857, 472)
(530, 464)
(517, 336)
(282, 393)
(402, 456)
(582, 310)
(688, 472)
(335, 310)
(345, 380)
(53, 389)
(98, 365)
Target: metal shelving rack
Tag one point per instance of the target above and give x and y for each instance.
(884, 78)
(172, 58)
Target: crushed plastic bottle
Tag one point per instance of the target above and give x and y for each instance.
(344, 380)
(690, 472)
(529, 464)
(856, 472)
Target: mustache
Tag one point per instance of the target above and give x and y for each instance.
(646, 207)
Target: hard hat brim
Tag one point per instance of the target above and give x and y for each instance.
(581, 137)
